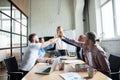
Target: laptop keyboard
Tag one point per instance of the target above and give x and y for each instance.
(47, 70)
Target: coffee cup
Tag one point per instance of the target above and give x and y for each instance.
(90, 71)
(77, 67)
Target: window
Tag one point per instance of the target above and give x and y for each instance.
(4, 22)
(16, 14)
(13, 29)
(117, 11)
(16, 40)
(110, 19)
(24, 41)
(4, 40)
(107, 19)
(24, 20)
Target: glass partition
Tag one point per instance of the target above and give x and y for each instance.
(7, 52)
(4, 22)
(17, 52)
(24, 20)
(107, 20)
(16, 14)
(24, 30)
(15, 40)
(5, 7)
(117, 11)
(24, 41)
(15, 27)
(4, 40)
(4, 53)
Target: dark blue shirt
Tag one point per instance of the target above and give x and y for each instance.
(79, 55)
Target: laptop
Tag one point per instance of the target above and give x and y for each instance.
(48, 69)
(61, 52)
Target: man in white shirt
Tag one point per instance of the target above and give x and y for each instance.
(31, 54)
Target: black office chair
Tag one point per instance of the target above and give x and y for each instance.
(114, 66)
(12, 68)
(60, 52)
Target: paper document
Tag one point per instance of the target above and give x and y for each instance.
(74, 61)
(71, 76)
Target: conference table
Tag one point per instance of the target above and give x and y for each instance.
(55, 75)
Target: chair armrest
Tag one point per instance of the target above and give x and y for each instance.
(16, 73)
(115, 73)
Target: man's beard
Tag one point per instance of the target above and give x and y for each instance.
(36, 41)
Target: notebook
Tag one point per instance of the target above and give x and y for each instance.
(48, 69)
(71, 76)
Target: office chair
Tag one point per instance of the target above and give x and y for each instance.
(114, 66)
(60, 52)
(12, 68)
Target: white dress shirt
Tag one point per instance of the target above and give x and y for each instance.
(61, 45)
(89, 56)
(30, 56)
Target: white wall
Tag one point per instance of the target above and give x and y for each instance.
(111, 46)
(78, 9)
(44, 18)
(95, 17)
(92, 15)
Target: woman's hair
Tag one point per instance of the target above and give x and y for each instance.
(59, 28)
(97, 40)
(91, 36)
(31, 36)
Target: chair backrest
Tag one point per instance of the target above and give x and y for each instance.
(61, 52)
(11, 64)
(114, 63)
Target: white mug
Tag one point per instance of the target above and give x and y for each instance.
(90, 71)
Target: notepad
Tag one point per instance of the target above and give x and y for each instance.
(72, 61)
(71, 76)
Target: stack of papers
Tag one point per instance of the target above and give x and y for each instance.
(73, 61)
(63, 57)
(71, 76)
